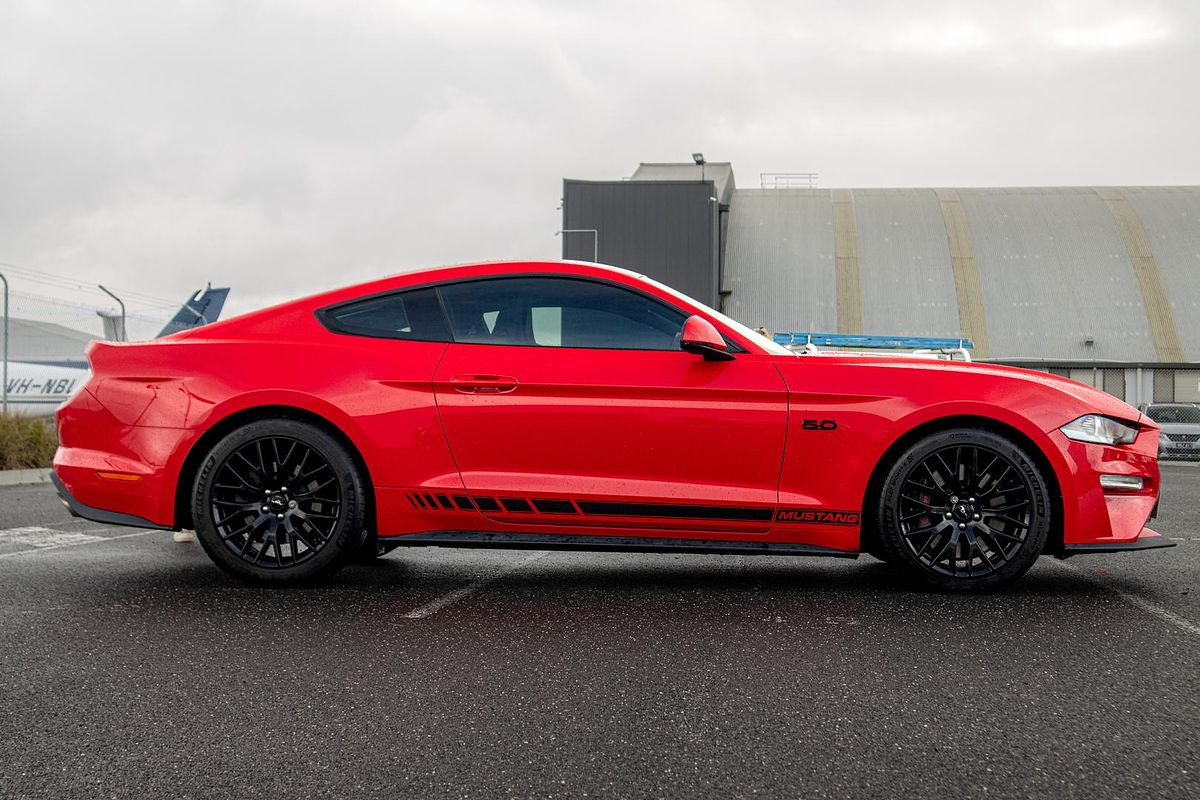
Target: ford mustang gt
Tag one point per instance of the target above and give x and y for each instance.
(565, 405)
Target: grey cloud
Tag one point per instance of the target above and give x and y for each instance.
(287, 147)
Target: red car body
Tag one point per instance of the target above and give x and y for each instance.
(756, 451)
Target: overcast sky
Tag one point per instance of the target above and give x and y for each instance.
(282, 148)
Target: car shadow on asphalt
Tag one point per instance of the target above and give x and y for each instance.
(394, 577)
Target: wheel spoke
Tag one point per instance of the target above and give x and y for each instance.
(1001, 509)
(996, 483)
(993, 546)
(1009, 520)
(950, 542)
(240, 512)
(295, 531)
(928, 542)
(919, 531)
(312, 491)
(249, 526)
(926, 487)
(278, 471)
(922, 503)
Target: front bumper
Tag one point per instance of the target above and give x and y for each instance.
(1095, 517)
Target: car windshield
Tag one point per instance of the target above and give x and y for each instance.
(751, 334)
(1180, 414)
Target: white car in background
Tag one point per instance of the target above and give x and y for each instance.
(1180, 423)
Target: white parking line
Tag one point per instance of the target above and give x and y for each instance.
(1158, 611)
(434, 606)
(39, 539)
(37, 536)
(1138, 601)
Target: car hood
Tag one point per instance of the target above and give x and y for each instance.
(1087, 398)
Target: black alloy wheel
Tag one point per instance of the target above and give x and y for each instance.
(279, 500)
(964, 509)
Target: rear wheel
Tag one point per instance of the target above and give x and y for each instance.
(279, 501)
(964, 510)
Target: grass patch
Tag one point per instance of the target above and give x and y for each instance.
(26, 442)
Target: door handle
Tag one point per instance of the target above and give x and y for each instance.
(483, 384)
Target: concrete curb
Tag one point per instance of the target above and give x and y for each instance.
(24, 477)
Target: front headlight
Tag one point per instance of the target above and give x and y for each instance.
(1099, 430)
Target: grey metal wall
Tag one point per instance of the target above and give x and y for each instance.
(779, 259)
(904, 263)
(664, 229)
(1171, 217)
(1055, 267)
(1054, 272)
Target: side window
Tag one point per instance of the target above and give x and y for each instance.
(559, 312)
(405, 315)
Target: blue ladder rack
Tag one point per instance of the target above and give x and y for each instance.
(881, 342)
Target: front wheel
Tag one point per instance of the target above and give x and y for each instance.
(279, 501)
(964, 510)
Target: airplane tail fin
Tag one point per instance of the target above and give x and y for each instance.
(199, 309)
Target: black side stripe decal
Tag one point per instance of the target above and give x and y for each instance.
(614, 509)
(600, 508)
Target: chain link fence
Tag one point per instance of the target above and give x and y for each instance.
(1136, 385)
(46, 325)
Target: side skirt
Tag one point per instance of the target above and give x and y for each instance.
(619, 544)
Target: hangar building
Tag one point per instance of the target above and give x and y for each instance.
(1098, 283)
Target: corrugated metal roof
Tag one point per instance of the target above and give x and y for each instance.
(1054, 269)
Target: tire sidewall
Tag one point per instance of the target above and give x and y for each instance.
(347, 535)
(892, 543)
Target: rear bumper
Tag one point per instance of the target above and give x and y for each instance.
(1146, 540)
(108, 471)
(79, 509)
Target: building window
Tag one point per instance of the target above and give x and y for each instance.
(1113, 381)
(1164, 386)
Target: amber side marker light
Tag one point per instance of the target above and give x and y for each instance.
(119, 476)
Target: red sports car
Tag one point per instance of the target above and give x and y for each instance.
(565, 405)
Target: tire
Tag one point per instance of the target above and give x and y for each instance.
(964, 510)
(255, 526)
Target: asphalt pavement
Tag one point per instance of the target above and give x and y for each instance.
(131, 667)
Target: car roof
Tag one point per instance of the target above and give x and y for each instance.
(481, 269)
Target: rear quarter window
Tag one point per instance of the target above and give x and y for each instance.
(414, 314)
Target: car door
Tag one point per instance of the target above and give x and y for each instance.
(567, 400)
